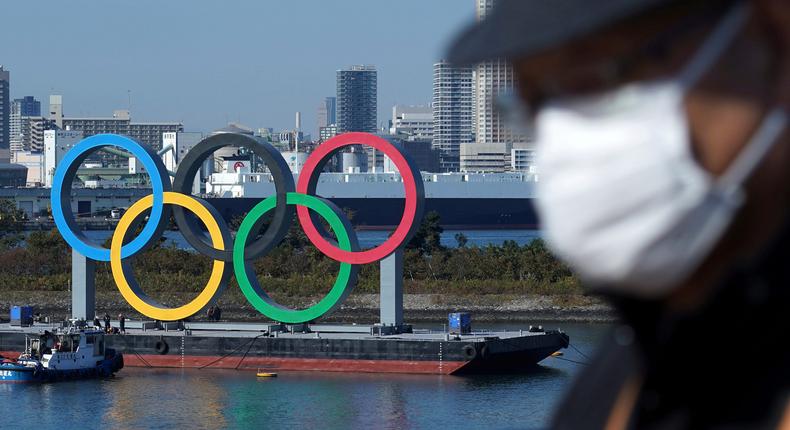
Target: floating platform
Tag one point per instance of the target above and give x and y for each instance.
(325, 348)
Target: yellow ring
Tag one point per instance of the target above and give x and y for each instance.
(214, 282)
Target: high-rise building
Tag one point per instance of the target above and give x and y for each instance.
(27, 126)
(26, 106)
(453, 100)
(412, 122)
(5, 115)
(327, 112)
(491, 79)
(27, 133)
(357, 99)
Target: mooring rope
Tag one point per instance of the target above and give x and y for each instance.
(246, 352)
(238, 348)
(133, 351)
(572, 361)
(579, 351)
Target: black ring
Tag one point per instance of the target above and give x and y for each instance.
(283, 184)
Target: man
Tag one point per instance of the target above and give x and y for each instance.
(122, 323)
(664, 158)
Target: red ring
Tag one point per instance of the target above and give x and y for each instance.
(409, 211)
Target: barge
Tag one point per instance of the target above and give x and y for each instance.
(273, 347)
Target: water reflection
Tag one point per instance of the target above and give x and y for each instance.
(172, 398)
(137, 403)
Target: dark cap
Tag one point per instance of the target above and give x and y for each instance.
(519, 28)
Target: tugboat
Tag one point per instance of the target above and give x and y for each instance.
(72, 353)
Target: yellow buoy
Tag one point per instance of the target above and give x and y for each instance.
(266, 375)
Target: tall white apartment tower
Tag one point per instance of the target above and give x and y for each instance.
(491, 78)
(453, 100)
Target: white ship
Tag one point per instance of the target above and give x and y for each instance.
(463, 200)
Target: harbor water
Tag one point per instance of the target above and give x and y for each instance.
(175, 398)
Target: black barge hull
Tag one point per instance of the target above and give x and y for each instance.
(407, 353)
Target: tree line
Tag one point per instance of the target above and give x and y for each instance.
(42, 261)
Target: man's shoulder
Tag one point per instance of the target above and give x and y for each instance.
(591, 398)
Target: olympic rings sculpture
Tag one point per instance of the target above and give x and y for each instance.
(234, 256)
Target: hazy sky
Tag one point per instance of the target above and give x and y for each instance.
(205, 63)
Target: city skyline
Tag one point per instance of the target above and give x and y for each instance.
(240, 75)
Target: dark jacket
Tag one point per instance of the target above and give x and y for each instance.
(725, 365)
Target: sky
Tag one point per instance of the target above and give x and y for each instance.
(207, 63)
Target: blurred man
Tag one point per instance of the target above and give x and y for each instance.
(664, 160)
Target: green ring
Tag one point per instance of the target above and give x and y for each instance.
(248, 281)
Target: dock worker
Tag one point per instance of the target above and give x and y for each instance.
(122, 323)
(96, 322)
(107, 327)
(660, 131)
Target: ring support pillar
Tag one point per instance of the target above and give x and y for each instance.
(83, 286)
(391, 289)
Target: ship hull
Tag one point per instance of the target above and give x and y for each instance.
(381, 213)
(15, 373)
(398, 354)
(18, 374)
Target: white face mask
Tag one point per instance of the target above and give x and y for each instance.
(621, 197)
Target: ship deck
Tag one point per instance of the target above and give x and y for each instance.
(251, 330)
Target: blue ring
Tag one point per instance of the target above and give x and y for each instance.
(65, 172)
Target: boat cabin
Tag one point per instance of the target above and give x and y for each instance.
(70, 350)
